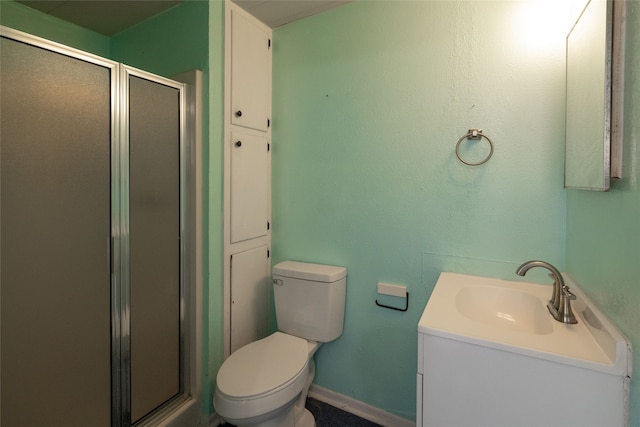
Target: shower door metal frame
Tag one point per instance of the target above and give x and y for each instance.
(124, 292)
(119, 240)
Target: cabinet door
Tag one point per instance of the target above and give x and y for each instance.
(250, 73)
(249, 186)
(249, 296)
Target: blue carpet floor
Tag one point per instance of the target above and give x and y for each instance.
(329, 416)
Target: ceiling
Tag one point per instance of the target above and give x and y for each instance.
(106, 17)
(275, 13)
(109, 17)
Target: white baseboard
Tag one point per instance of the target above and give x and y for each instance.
(356, 407)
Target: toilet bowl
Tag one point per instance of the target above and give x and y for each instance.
(261, 382)
(265, 383)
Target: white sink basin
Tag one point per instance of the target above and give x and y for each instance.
(508, 309)
(513, 316)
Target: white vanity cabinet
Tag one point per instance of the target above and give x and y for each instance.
(482, 363)
(468, 384)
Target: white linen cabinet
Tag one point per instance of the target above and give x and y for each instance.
(247, 153)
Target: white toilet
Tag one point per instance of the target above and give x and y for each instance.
(265, 383)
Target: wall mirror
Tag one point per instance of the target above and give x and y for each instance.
(595, 47)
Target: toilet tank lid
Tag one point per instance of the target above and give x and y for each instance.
(307, 271)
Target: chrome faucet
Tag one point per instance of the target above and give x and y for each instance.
(560, 304)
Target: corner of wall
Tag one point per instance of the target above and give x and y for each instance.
(214, 239)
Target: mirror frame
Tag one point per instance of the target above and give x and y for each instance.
(608, 117)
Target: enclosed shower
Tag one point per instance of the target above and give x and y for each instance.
(97, 239)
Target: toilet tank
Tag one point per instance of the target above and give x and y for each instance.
(310, 299)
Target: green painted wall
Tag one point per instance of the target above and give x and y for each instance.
(169, 43)
(603, 229)
(19, 17)
(369, 100)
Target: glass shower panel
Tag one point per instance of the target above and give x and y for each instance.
(154, 186)
(54, 238)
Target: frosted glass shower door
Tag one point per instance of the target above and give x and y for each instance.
(55, 218)
(154, 123)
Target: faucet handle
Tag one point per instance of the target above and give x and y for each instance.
(566, 313)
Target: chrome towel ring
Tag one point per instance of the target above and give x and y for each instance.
(475, 134)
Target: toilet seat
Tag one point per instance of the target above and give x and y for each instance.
(262, 376)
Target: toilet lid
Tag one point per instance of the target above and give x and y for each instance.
(263, 365)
